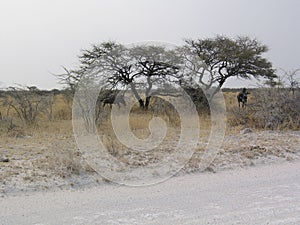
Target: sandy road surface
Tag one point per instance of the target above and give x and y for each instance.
(257, 195)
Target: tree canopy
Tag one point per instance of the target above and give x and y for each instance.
(212, 61)
(142, 67)
(205, 63)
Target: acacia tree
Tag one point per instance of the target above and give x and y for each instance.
(157, 67)
(144, 67)
(28, 103)
(212, 61)
(292, 79)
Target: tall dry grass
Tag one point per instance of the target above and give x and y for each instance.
(267, 108)
(49, 148)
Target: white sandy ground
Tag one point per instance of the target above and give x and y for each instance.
(265, 194)
(50, 162)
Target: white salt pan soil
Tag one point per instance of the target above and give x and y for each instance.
(264, 194)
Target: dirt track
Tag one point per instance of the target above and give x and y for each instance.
(268, 194)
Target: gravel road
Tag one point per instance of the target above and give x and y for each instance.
(268, 194)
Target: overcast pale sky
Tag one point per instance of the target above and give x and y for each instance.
(37, 37)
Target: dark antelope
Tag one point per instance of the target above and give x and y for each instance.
(242, 98)
(113, 98)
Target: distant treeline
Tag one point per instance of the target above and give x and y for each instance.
(68, 91)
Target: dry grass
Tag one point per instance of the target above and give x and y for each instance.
(50, 147)
(47, 150)
(267, 108)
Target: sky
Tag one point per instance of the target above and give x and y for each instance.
(38, 37)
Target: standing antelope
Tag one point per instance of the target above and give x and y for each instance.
(112, 97)
(242, 98)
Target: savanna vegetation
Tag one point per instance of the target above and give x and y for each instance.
(151, 73)
(199, 67)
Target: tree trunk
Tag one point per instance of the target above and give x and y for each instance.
(137, 96)
(147, 102)
(141, 103)
(216, 90)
